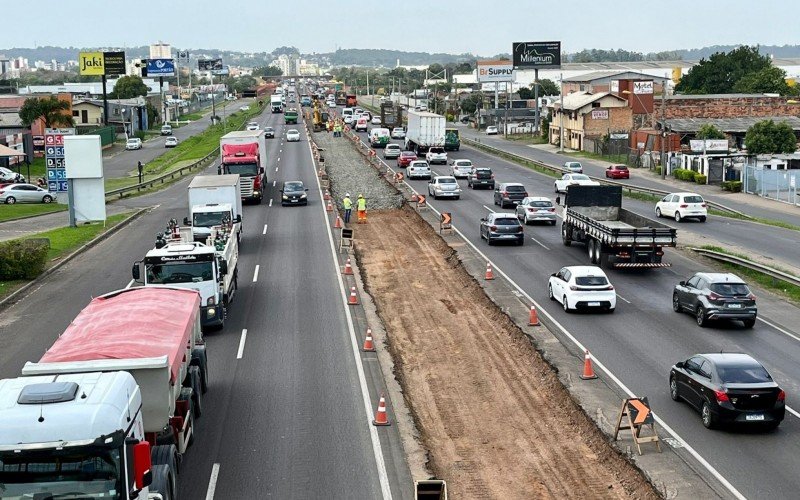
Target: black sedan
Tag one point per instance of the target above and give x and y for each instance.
(294, 193)
(269, 132)
(499, 226)
(728, 388)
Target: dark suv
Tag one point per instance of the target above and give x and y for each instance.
(509, 193)
(711, 296)
(481, 177)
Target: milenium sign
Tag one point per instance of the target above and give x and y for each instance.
(537, 55)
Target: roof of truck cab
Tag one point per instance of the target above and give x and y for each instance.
(144, 322)
(214, 181)
(243, 133)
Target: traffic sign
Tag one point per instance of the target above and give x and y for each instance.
(639, 415)
(446, 222)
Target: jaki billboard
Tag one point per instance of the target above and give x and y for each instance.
(536, 55)
(101, 63)
(495, 71)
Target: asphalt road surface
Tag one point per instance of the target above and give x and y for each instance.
(284, 416)
(640, 342)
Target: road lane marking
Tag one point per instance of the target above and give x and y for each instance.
(539, 243)
(255, 274)
(242, 340)
(270, 202)
(623, 298)
(279, 158)
(487, 208)
(212, 482)
(276, 169)
(778, 328)
(274, 183)
(265, 229)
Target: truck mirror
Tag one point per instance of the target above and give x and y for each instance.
(135, 271)
(260, 170)
(306, 189)
(682, 283)
(186, 221)
(142, 464)
(239, 218)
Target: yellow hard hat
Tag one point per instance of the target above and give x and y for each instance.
(360, 196)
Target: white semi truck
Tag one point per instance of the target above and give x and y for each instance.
(425, 131)
(110, 408)
(213, 201)
(210, 268)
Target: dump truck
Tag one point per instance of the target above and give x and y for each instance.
(593, 215)
(213, 201)
(425, 130)
(244, 152)
(109, 409)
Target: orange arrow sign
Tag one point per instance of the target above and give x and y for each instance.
(420, 200)
(446, 218)
(643, 411)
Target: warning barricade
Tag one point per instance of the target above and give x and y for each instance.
(422, 202)
(398, 177)
(446, 223)
(639, 415)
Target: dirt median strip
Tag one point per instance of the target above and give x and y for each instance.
(491, 412)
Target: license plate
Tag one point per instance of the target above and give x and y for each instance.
(594, 304)
(734, 306)
(754, 417)
(294, 201)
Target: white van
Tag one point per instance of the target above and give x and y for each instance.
(361, 124)
(379, 137)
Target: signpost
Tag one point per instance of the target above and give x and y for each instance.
(54, 158)
(446, 223)
(536, 55)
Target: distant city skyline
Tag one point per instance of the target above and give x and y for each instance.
(466, 26)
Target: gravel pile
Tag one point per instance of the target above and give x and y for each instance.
(349, 172)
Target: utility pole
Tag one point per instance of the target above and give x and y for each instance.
(664, 133)
(536, 98)
(561, 109)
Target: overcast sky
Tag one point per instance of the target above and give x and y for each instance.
(481, 27)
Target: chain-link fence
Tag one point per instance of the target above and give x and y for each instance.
(780, 185)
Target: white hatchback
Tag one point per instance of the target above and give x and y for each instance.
(681, 206)
(292, 135)
(461, 169)
(582, 287)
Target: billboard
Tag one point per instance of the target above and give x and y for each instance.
(537, 55)
(643, 87)
(224, 71)
(495, 71)
(91, 64)
(209, 64)
(160, 67)
(183, 56)
(114, 63)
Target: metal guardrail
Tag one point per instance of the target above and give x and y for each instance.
(624, 186)
(161, 179)
(749, 264)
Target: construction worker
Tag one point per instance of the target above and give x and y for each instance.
(361, 205)
(348, 207)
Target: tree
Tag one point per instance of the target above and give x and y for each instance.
(128, 87)
(709, 131)
(768, 137)
(242, 83)
(471, 103)
(769, 80)
(548, 87)
(289, 51)
(267, 71)
(51, 110)
(720, 73)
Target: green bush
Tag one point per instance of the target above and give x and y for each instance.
(733, 186)
(658, 170)
(683, 174)
(700, 179)
(23, 259)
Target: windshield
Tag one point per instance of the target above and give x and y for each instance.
(483, 174)
(70, 473)
(447, 180)
(208, 219)
(730, 289)
(506, 221)
(462, 164)
(293, 186)
(591, 280)
(179, 272)
(243, 169)
(692, 199)
(753, 374)
(580, 178)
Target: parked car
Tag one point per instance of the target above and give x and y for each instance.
(728, 388)
(25, 193)
(398, 133)
(133, 143)
(509, 193)
(582, 287)
(444, 186)
(418, 169)
(681, 206)
(481, 177)
(711, 296)
(536, 208)
(436, 155)
(292, 135)
(500, 226)
(252, 126)
(376, 120)
(460, 169)
(269, 132)
(560, 185)
(405, 158)
(170, 142)
(244, 108)
(391, 151)
(10, 177)
(294, 193)
(573, 167)
(491, 130)
(618, 172)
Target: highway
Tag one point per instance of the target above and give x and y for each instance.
(284, 416)
(641, 341)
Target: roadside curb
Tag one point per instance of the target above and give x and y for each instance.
(19, 293)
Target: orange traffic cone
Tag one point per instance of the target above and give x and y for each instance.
(329, 207)
(353, 300)
(534, 321)
(489, 273)
(380, 415)
(338, 223)
(368, 344)
(348, 269)
(588, 371)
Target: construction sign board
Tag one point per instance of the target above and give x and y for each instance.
(422, 202)
(446, 222)
(639, 416)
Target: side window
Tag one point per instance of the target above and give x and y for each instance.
(705, 369)
(693, 364)
(702, 284)
(693, 282)
(567, 275)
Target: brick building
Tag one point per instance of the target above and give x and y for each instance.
(588, 117)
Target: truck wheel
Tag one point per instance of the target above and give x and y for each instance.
(164, 454)
(163, 482)
(197, 389)
(565, 235)
(200, 359)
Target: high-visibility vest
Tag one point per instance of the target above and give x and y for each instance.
(362, 204)
(347, 203)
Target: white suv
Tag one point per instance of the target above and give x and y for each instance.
(133, 143)
(436, 155)
(582, 287)
(681, 206)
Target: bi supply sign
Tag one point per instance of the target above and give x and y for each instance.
(495, 71)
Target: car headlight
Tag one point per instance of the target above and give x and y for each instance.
(304, 195)
(211, 312)
(285, 197)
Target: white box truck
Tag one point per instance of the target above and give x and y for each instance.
(425, 130)
(213, 201)
(110, 408)
(244, 152)
(276, 103)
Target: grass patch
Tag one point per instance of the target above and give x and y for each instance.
(780, 287)
(527, 139)
(191, 117)
(19, 210)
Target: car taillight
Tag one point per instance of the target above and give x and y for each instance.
(531, 209)
(751, 296)
(684, 206)
(713, 296)
(782, 396)
(722, 397)
(551, 209)
(609, 287)
(703, 205)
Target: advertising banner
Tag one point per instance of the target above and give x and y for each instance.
(183, 56)
(54, 158)
(642, 88)
(536, 55)
(495, 71)
(209, 64)
(599, 114)
(91, 64)
(160, 67)
(114, 63)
